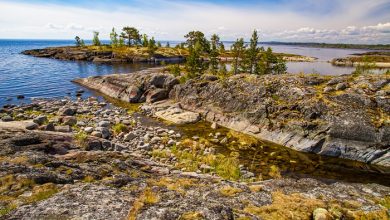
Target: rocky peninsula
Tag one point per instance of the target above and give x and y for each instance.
(376, 59)
(344, 116)
(107, 54)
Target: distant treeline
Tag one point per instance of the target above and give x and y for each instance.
(325, 45)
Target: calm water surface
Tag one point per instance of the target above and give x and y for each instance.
(39, 77)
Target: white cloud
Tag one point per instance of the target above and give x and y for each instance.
(54, 26)
(367, 34)
(173, 19)
(75, 27)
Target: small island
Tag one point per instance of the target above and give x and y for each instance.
(379, 59)
(139, 48)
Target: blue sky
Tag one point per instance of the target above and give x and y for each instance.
(350, 21)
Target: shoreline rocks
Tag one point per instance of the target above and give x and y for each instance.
(289, 110)
(98, 56)
(63, 174)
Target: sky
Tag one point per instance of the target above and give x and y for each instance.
(329, 21)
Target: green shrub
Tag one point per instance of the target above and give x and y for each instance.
(81, 138)
(119, 128)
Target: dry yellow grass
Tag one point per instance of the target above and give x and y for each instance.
(178, 185)
(148, 197)
(229, 191)
(191, 216)
(293, 206)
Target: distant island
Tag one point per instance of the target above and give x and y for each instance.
(328, 45)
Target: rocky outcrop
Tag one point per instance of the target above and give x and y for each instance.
(149, 85)
(136, 173)
(345, 116)
(294, 111)
(100, 56)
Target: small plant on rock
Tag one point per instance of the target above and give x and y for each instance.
(119, 128)
(81, 138)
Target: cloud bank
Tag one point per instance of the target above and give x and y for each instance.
(351, 21)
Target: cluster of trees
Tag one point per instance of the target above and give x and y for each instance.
(204, 56)
(129, 36)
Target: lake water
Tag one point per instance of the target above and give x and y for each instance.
(40, 77)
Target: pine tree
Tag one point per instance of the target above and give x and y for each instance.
(159, 44)
(238, 50)
(121, 41)
(145, 40)
(251, 58)
(78, 41)
(222, 70)
(194, 37)
(95, 40)
(194, 65)
(168, 45)
(114, 38)
(152, 47)
(132, 35)
(214, 53)
(271, 64)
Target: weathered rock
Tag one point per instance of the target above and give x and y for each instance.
(178, 116)
(88, 130)
(341, 86)
(7, 118)
(129, 137)
(50, 127)
(156, 95)
(65, 128)
(40, 119)
(31, 126)
(104, 131)
(104, 124)
(67, 111)
(69, 120)
(94, 145)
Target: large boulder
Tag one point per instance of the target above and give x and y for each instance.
(178, 116)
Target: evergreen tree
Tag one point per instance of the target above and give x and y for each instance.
(238, 50)
(152, 47)
(222, 70)
(252, 54)
(121, 41)
(194, 37)
(145, 40)
(95, 40)
(214, 53)
(82, 44)
(132, 35)
(221, 48)
(78, 41)
(194, 65)
(271, 64)
(114, 38)
(159, 44)
(168, 45)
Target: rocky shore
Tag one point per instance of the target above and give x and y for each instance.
(350, 62)
(343, 116)
(108, 55)
(63, 159)
(133, 55)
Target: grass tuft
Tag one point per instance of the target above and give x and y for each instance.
(229, 191)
